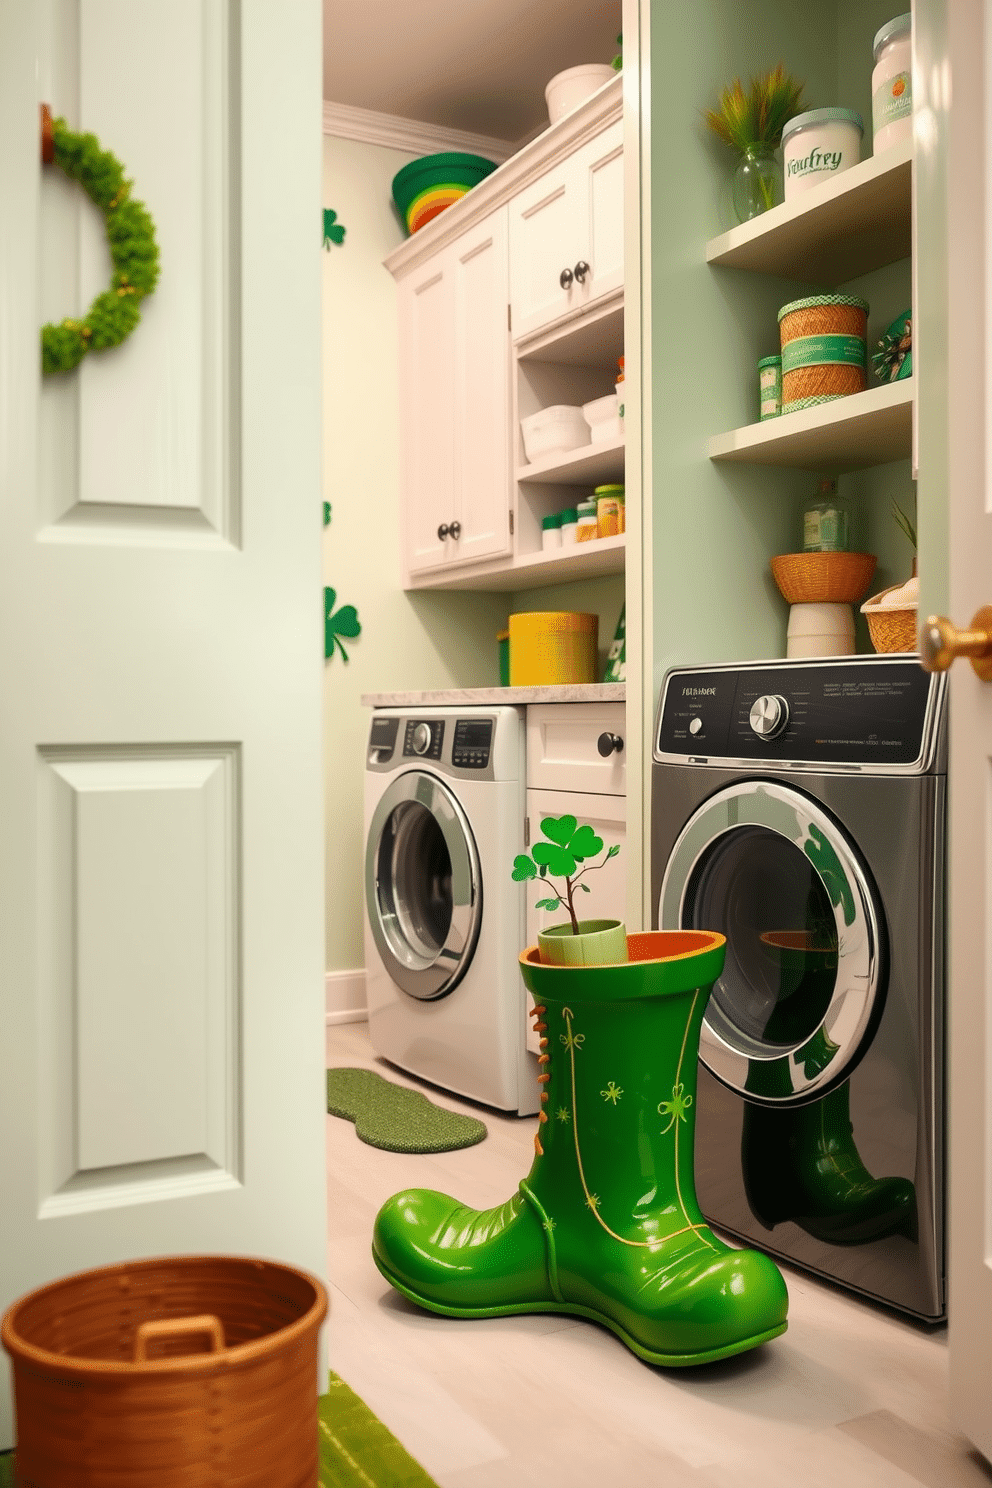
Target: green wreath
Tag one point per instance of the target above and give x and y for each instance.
(114, 314)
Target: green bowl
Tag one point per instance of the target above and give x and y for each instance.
(425, 187)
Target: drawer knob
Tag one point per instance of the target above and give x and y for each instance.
(442, 531)
(581, 270)
(455, 530)
(565, 278)
(608, 744)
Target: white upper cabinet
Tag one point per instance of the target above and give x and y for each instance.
(566, 234)
(454, 378)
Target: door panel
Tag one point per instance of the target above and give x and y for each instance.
(426, 316)
(482, 390)
(546, 230)
(161, 943)
(601, 194)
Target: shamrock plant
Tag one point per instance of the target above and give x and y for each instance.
(566, 847)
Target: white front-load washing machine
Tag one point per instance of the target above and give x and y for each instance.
(445, 793)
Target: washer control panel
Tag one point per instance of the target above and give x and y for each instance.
(864, 711)
(382, 738)
(424, 738)
(473, 743)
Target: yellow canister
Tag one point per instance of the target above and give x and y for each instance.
(548, 647)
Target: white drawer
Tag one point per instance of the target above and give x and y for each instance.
(563, 751)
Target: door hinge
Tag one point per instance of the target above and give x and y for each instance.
(511, 524)
(509, 317)
(526, 831)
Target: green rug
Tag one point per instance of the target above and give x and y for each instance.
(356, 1449)
(395, 1118)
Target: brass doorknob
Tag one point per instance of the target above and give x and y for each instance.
(941, 643)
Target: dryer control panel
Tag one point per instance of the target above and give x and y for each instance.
(866, 711)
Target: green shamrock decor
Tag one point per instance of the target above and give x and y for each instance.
(567, 846)
(343, 623)
(333, 231)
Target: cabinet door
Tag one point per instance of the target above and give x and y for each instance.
(479, 271)
(607, 896)
(426, 317)
(546, 228)
(598, 169)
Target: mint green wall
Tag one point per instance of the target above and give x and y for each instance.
(408, 641)
(716, 526)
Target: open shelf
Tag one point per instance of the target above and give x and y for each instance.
(847, 227)
(852, 433)
(595, 463)
(604, 555)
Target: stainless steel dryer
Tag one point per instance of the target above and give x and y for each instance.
(798, 808)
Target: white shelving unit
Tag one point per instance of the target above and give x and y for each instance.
(847, 227)
(853, 433)
(588, 560)
(596, 463)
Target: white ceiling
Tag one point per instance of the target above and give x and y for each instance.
(476, 65)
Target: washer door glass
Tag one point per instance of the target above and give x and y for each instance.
(423, 885)
(802, 985)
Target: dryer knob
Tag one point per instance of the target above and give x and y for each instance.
(769, 715)
(421, 738)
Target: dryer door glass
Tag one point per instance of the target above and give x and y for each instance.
(801, 991)
(423, 885)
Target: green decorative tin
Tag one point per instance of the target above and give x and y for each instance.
(769, 387)
(892, 359)
(616, 658)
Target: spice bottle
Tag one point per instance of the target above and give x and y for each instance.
(609, 510)
(551, 532)
(588, 526)
(569, 523)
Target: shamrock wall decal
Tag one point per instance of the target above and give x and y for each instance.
(333, 231)
(343, 623)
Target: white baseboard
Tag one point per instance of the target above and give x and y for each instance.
(344, 997)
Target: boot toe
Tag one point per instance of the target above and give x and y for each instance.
(713, 1306)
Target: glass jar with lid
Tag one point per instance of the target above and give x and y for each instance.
(827, 521)
(892, 83)
(588, 525)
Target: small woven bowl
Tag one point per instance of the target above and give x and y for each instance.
(890, 630)
(823, 578)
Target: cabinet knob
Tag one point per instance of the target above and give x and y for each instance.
(443, 531)
(565, 278)
(455, 530)
(608, 744)
(581, 270)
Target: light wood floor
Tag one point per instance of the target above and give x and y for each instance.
(851, 1395)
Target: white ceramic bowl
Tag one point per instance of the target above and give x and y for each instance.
(568, 89)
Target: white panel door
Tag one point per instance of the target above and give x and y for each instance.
(963, 140)
(546, 242)
(480, 275)
(426, 333)
(599, 166)
(607, 896)
(161, 937)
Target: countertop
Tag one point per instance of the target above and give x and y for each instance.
(580, 692)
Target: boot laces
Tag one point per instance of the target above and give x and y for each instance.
(537, 1013)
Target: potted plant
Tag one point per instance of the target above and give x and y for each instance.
(565, 847)
(751, 123)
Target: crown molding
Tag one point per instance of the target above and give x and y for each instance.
(343, 121)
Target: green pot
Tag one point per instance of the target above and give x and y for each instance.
(598, 943)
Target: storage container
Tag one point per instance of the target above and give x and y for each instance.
(609, 510)
(551, 532)
(892, 617)
(569, 523)
(603, 419)
(427, 186)
(892, 84)
(820, 630)
(824, 349)
(551, 647)
(553, 431)
(827, 521)
(588, 525)
(568, 89)
(818, 145)
(183, 1372)
(769, 387)
(823, 578)
(503, 644)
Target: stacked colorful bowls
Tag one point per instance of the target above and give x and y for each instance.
(425, 187)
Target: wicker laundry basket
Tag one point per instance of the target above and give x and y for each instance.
(183, 1372)
(823, 578)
